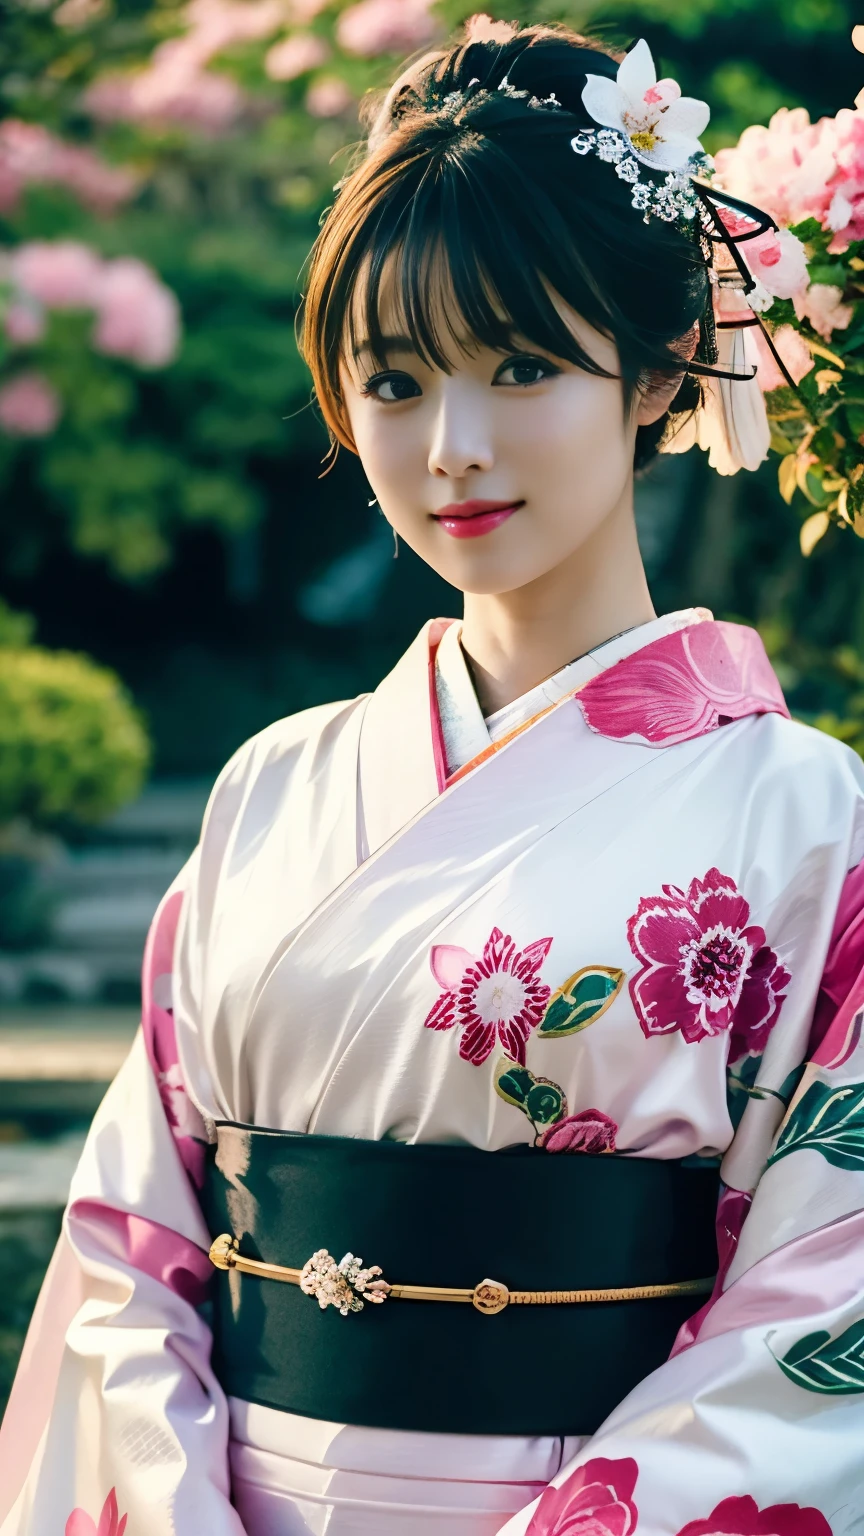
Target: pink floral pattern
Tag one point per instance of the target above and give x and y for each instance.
(498, 993)
(705, 969)
(597, 1500)
(589, 1131)
(110, 1521)
(742, 1517)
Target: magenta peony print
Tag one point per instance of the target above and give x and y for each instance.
(597, 1500)
(589, 1131)
(110, 1521)
(706, 969)
(498, 994)
(742, 1517)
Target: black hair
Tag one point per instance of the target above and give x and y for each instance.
(462, 170)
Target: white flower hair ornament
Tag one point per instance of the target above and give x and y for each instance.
(663, 127)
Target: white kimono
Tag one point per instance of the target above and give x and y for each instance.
(393, 902)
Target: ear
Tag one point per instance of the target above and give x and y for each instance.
(657, 390)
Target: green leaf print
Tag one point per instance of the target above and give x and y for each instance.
(514, 1084)
(829, 1120)
(540, 1100)
(819, 1363)
(581, 1001)
(544, 1103)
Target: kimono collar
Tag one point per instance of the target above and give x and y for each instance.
(665, 682)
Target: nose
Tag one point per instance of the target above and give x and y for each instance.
(461, 433)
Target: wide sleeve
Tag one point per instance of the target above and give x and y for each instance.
(755, 1426)
(116, 1417)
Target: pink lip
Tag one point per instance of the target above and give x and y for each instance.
(470, 519)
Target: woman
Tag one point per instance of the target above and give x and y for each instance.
(485, 973)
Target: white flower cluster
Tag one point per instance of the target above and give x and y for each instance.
(345, 1285)
(670, 200)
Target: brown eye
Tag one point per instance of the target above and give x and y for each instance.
(392, 386)
(525, 370)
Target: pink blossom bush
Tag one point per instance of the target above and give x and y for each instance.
(328, 97)
(785, 168)
(29, 406)
(24, 323)
(293, 56)
(31, 155)
(61, 274)
(167, 91)
(176, 87)
(794, 352)
(822, 305)
(385, 26)
(137, 316)
(798, 170)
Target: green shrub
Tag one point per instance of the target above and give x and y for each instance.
(72, 745)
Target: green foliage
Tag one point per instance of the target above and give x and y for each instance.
(825, 686)
(829, 1120)
(72, 746)
(819, 1363)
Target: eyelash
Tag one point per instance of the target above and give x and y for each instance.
(370, 386)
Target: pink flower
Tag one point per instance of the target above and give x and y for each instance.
(61, 274)
(742, 1517)
(294, 56)
(138, 317)
(794, 351)
(110, 1523)
(498, 993)
(24, 323)
(30, 154)
(328, 97)
(821, 305)
(705, 969)
(385, 26)
(785, 168)
(589, 1131)
(173, 88)
(596, 1500)
(776, 258)
(29, 406)
(779, 261)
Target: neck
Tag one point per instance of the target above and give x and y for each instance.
(513, 640)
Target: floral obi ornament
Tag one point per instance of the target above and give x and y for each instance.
(347, 1286)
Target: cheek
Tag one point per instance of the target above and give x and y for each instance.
(583, 419)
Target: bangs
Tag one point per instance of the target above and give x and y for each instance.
(448, 271)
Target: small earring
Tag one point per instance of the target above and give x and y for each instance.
(373, 502)
(395, 545)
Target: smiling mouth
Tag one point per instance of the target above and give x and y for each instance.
(472, 519)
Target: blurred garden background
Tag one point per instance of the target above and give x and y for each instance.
(175, 573)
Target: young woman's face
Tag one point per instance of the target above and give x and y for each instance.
(499, 470)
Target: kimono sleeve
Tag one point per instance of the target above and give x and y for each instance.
(116, 1416)
(756, 1423)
